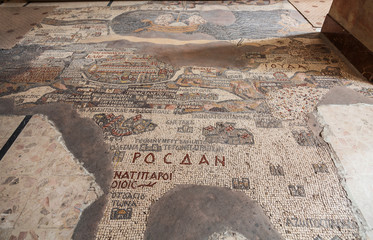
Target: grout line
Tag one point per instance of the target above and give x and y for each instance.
(110, 2)
(304, 16)
(26, 4)
(14, 136)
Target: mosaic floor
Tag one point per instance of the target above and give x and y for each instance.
(185, 95)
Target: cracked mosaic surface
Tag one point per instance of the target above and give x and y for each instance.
(239, 127)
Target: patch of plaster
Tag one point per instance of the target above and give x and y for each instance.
(344, 96)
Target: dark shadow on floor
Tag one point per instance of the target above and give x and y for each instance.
(190, 212)
(85, 141)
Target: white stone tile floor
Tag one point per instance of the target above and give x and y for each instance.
(349, 130)
(43, 188)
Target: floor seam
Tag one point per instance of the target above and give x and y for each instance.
(14, 136)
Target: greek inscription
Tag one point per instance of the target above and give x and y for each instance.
(128, 195)
(326, 81)
(185, 129)
(123, 203)
(135, 175)
(154, 147)
(268, 123)
(285, 66)
(187, 159)
(321, 223)
(180, 122)
(134, 179)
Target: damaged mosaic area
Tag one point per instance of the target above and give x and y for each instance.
(241, 127)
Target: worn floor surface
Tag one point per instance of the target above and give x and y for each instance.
(202, 119)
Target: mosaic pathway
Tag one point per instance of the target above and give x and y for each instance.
(200, 94)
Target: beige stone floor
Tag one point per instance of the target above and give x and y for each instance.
(43, 188)
(8, 124)
(349, 129)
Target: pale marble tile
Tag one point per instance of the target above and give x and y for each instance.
(370, 235)
(66, 166)
(37, 127)
(4, 131)
(25, 234)
(28, 155)
(14, 193)
(349, 130)
(361, 189)
(43, 188)
(55, 203)
(5, 233)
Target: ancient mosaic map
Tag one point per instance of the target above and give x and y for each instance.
(172, 112)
